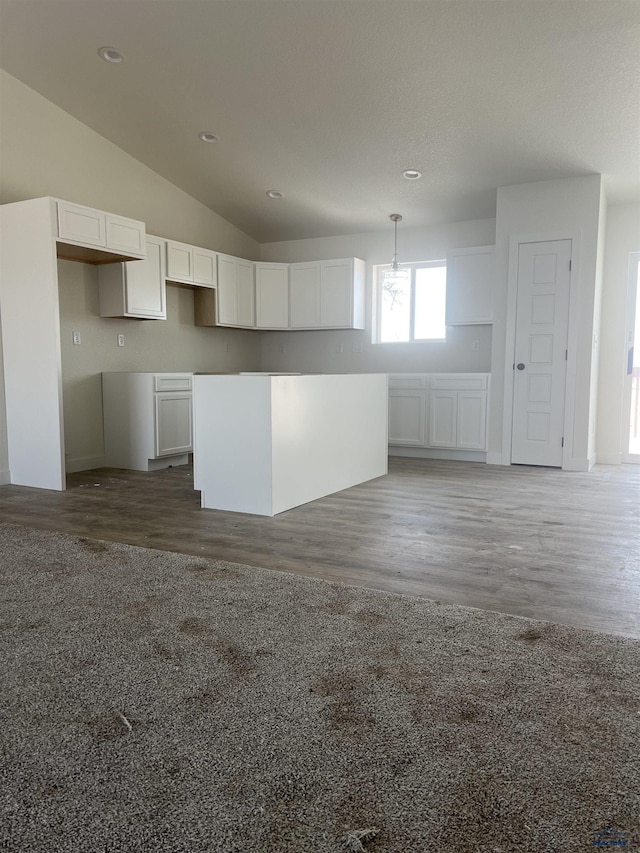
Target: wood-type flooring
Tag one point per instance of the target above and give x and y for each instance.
(535, 542)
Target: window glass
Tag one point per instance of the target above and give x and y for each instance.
(395, 311)
(412, 310)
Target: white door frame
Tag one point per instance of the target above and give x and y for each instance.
(572, 339)
(633, 293)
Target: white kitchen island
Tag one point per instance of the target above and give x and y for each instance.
(264, 443)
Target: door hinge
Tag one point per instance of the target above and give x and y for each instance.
(570, 262)
(566, 355)
(562, 442)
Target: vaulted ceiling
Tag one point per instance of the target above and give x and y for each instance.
(328, 101)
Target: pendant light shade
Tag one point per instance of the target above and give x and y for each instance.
(395, 277)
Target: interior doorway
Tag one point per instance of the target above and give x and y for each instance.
(632, 380)
(540, 353)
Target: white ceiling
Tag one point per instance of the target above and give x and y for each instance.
(329, 100)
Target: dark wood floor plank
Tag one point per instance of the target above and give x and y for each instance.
(534, 542)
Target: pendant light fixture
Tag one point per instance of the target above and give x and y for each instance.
(395, 277)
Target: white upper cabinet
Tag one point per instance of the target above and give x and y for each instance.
(327, 294)
(191, 265)
(304, 295)
(84, 226)
(235, 292)
(470, 278)
(135, 288)
(272, 296)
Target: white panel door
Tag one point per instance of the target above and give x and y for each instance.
(443, 416)
(407, 417)
(540, 365)
(173, 423)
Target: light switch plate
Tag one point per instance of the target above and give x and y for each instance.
(77, 340)
(120, 340)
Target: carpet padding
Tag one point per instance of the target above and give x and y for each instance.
(153, 701)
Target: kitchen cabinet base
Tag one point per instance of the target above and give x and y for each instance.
(436, 453)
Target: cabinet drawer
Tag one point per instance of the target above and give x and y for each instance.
(172, 382)
(402, 381)
(458, 382)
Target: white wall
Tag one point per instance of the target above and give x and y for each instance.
(45, 151)
(569, 208)
(318, 351)
(622, 238)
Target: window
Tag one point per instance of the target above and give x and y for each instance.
(415, 311)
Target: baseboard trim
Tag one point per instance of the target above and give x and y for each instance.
(580, 464)
(434, 453)
(609, 459)
(5, 477)
(85, 463)
(494, 457)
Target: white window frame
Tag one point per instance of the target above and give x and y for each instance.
(380, 271)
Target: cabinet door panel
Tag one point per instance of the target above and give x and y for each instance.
(272, 296)
(81, 224)
(336, 285)
(304, 296)
(173, 427)
(472, 418)
(226, 294)
(205, 271)
(145, 284)
(125, 235)
(407, 418)
(470, 276)
(246, 294)
(443, 418)
(179, 262)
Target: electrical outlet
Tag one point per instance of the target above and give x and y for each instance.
(227, 346)
(475, 346)
(120, 340)
(77, 340)
(357, 347)
(283, 347)
(339, 347)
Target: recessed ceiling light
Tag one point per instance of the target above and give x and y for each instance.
(412, 174)
(207, 136)
(274, 194)
(110, 54)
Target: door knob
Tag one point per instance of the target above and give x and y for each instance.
(520, 366)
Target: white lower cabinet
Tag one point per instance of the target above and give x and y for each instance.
(443, 412)
(148, 419)
(135, 288)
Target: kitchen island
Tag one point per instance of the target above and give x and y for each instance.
(264, 443)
